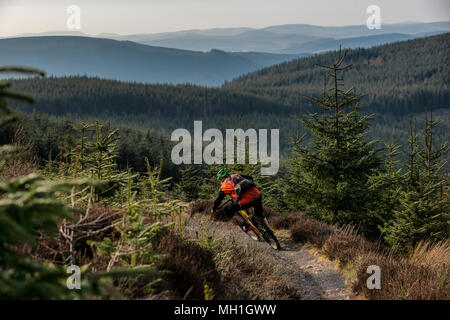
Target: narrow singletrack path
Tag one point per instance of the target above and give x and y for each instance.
(316, 278)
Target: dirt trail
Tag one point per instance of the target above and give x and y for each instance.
(314, 277)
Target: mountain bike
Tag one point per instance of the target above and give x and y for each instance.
(258, 229)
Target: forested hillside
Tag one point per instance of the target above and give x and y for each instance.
(130, 61)
(180, 103)
(157, 107)
(397, 78)
(50, 137)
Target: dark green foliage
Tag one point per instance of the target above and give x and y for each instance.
(23, 200)
(423, 212)
(32, 207)
(55, 137)
(397, 78)
(27, 205)
(330, 179)
(161, 105)
(386, 185)
(210, 186)
(5, 93)
(188, 188)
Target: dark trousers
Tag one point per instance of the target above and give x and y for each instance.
(257, 205)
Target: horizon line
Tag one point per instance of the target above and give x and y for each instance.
(214, 28)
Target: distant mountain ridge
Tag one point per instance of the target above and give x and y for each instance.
(399, 78)
(130, 61)
(292, 38)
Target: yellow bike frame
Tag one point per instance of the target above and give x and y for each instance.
(246, 217)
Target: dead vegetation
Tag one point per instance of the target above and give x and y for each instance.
(401, 279)
(21, 160)
(307, 229)
(234, 272)
(248, 275)
(285, 221)
(191, 267)
(423, 275)
(94, 224)
(230, 271)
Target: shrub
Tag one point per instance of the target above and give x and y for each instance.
(307, 229)
(191, 267)
(401, 280)
(425, 275)
(285, 221)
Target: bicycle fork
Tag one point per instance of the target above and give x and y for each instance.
(247, 219)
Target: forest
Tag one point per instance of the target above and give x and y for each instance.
(405, 77)
(397, 79)
(86, 178)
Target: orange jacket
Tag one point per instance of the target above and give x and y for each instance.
(248, 196)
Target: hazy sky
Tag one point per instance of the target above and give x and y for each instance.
(152, 16)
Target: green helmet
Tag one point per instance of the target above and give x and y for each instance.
(223, 173)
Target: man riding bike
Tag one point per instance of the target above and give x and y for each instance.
(249, 197)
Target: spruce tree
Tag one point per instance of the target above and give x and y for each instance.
(330, 178)
(189, 186)
(424, 202)
(29, 205)
(387, 185)
(209, 186)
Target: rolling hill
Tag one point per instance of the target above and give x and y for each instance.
(291, 38)
(398, 78)
(129, 61)
(158, 105)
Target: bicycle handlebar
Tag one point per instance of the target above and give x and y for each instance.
(223, 204)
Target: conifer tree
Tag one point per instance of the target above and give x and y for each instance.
(209, 186)
(189, 187)
(424, 203)
(387, 185)
(29, 204)
(330, 178)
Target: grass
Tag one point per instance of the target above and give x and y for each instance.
(191, 267)
(245, 274)
(225, 269)
(248, 275)
(423, 275)
(234, 272)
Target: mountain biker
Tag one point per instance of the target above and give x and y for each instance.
(251, 197)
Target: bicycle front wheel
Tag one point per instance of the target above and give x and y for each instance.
(268, 234)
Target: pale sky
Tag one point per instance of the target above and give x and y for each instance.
(154, 16)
